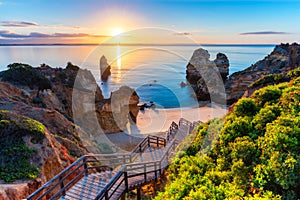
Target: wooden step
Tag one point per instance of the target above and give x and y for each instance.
(90, 186)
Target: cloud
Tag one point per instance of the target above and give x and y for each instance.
(264, 33)
(17, 24)
(1, 3)
(183, 33)
(9, 34)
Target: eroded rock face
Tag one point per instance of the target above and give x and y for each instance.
(206, 77)
(77, 91)
(222, 63)
(55, 109)
(282, 59)
(104, 68)
(50, 156)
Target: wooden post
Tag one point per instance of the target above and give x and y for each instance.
(62, 186)
(85, 166)
(126, 181)
(145, 173)
(138, 193)
(155, 171)
(106, 195)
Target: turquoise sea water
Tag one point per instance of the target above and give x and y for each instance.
(154, 71)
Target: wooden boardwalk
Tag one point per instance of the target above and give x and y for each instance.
(102, 176)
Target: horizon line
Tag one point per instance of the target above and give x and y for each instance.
(136, 44)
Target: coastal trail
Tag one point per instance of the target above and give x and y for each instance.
(111, 176)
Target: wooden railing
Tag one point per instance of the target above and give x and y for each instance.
(171, 132)
(140, 169)
(86, 164)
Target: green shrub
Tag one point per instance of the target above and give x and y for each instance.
(256, 156)
(24, 74)
(245, 107)
(15, 156)
(269, 94)
(294, 73)
(268, 80)
(265, 116)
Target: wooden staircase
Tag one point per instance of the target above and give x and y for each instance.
(109, 176)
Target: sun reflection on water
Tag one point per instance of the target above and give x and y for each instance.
(119, 64)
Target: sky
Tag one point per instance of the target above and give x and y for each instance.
(143, 21)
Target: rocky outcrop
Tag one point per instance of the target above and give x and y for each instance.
(104, 68)
(206, 77)
(76, 90)
(222, 63)
(74, 113)
(28, 136)
(122, 102)
(282, 59)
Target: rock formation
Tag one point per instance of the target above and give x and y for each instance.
(21, 134)
(206, 77)
(222, 63)
(282, 59)
(73, 112)
(104, 68)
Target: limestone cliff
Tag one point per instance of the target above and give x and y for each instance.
(70, 105)
(282, 59)
(28, 151)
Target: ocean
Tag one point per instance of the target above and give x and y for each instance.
(154, 71)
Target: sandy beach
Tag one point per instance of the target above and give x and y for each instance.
(158, 120)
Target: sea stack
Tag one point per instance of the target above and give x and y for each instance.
(207, 77)
(104, 68)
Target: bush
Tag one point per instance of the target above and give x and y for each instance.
(269, 80)
(245, 107)
(70, 66)
(255, 157)
(23, 74)
(269, 94)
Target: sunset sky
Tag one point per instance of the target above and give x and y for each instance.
(155, 21)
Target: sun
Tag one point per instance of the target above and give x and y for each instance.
(116, 31)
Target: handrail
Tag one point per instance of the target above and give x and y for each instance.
(129, 168)
(83, 165)
(105, 192)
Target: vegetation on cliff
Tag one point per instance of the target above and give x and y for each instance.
(24, 74)
(257, 153)
(15, 155)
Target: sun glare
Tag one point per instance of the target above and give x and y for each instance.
(116, 31)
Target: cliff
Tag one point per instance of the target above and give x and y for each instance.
(281, 60)
(28, 151)
(69, 106)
